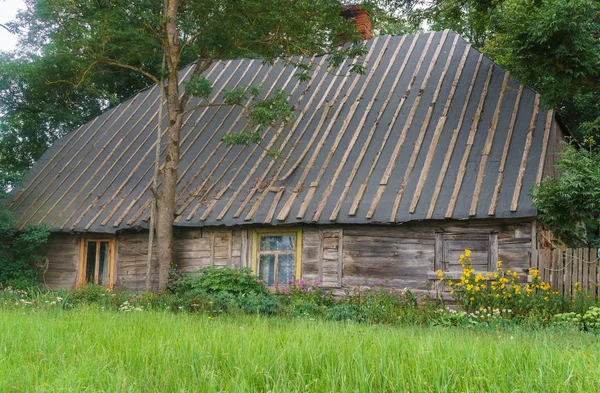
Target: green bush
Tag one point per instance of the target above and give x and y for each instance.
(568, 320)
(221, 280)
(89, 293)
(262, 303)
(344, 312)
(21, 256)
(591, 319)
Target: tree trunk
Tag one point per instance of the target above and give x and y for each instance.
(169, 172)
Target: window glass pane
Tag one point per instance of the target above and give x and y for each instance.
(285, 270)
(277, 243)
(267, 269)
(90, 262)
(103, 271)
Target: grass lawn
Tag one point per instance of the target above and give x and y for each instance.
(94, 351)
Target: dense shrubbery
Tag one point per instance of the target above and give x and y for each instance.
(21, 259)
(496, 299)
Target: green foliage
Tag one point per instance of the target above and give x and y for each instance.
(76, 59)
(157, 352)
(553, 46)
(568, 320)
(503, 290)
(588, 320)
(570, 205)
(212, 280)
(271, 112)
(242, 138)
(21, 254)
(89, 293)
(199, 86)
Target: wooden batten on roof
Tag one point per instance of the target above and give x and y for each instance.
(432, 130)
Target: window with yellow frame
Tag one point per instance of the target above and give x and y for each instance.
(277, 255)
(97, 261)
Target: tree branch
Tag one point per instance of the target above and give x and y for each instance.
(189, 41)
(129, 67)
(80, 81)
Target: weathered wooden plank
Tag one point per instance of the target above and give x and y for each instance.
(260, 180)
(367, 143)
(568, 271)
(511, 128)
(540, 171)
(396, 232)
(528, 141)
(469, 145)
(449, 153)
(487, 148)
(424, 125)
(586, 269)
(440, 126)
(316, 150)
(593, 274)
(359, 128)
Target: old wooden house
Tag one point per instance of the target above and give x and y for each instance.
(385, 176)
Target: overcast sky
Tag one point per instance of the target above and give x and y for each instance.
(8, 10)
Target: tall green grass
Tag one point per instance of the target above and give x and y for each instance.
(95, 351)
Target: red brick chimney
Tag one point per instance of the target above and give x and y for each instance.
(360, 16)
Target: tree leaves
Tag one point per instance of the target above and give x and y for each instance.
(570, 205)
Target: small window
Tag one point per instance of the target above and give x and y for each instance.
(276, 256)
(97, 262)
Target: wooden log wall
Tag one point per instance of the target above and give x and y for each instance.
(322, 256)
(397, 256)
(409, 255)
(131, 262)
(62, 252)
(400, 256)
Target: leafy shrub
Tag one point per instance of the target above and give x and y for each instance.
(304, 308)
(89, 293)
(380, 305)
(21, 255)
(343, 312)
(262, 303)
(591, 319)
(568, 320)
(222, 280)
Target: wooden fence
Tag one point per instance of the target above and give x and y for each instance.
(564, 269)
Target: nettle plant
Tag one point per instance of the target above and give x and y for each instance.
(502, 290)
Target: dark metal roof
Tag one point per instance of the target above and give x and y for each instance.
(433, 130)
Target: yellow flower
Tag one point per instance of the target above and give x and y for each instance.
(468, 253)
(499, 263)
(439, 273)
(517, 290)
